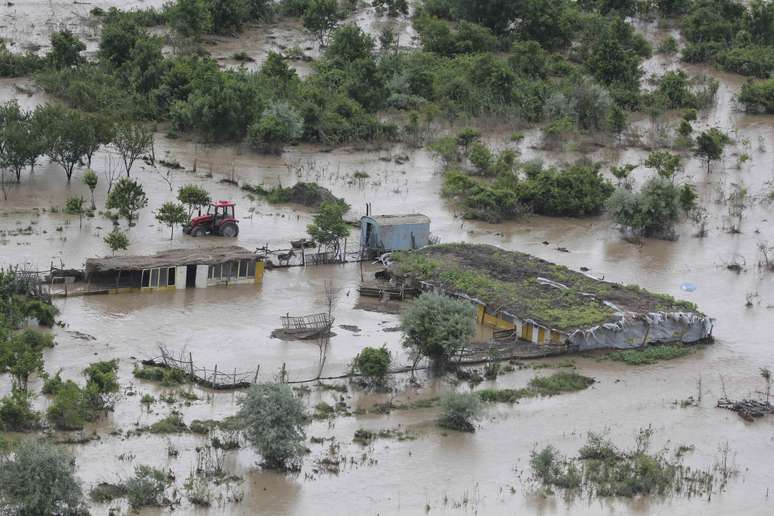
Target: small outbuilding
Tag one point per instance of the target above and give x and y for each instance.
(384, 233)
(175, 269)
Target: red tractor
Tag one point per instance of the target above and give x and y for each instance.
(219, 220)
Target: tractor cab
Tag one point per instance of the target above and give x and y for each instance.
(219, 220)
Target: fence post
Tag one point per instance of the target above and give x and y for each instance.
(255, 379)
(190, 363)
(215, 376)
(234, 376)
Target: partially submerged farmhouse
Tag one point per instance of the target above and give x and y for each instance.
(384, 233)
(545, 303)
(175, 269)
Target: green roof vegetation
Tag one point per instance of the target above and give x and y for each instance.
(512, 281)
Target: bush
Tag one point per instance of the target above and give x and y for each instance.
(53, 384)
(272, 420)
(16, 414)
(172, 424)
(574, 191)
(459, 410)
(39, 479)
(69, 409)
(146, 487)
(650, 354)
(436, 326)
(278, 125)
(373, 363)
(167, 376)
(651, 212)
(758, 96)
(756, 61)
(557, 383)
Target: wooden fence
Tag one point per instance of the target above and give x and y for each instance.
(211, 378)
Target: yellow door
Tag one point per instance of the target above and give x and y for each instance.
(541, 335)
(526, 332)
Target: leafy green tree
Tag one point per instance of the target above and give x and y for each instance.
(20, 145)
(228, 16)
(67, 136)
(190, 18)
(272, 419)
(621, 173)
(90, 179)
(172, 214)
(437, 327)
(664, 163)
(373, 363)
(128, 197)
(21, 354)
(481, 157)
(459, 410)
(194, 197)
(328, 226)
(146, 487)
(279, 124)
(117, 240)
(320, 18)
(39, 478)
(710, 145)
(66, 49)
(117, 39)
(576, 191)
(348, 44)
(101, 382)
(132, 141)
(758, 96)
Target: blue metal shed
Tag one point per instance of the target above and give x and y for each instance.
(383, 233)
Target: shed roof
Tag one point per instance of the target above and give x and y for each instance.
(397, 220)
(170, 258)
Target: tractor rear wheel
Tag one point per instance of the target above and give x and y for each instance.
(229, 229)
(198, 231)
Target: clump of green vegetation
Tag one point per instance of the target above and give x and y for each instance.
(373, 363)
(603, 470)
(172, 424)
(204, 426)
(305, 194)
(146, 487)
(167, 376)
(459, 410)
(106, 493)
(650, 354)
(364, 437)
(557, 383)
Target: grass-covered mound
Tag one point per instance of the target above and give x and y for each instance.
(306, 194)
(515, 282)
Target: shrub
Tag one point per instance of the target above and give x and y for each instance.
(278, 125)
(575, 191)
(651, 212)
(758, 96)
(16, 414)
(272, 420)
(557, 383)
(373, 363)
(39, 479)
(458, 410)
(167, 376)
(650, 354)
(53, 384)
(68, 410)
(436, 326)
(172, 424)
(146, 487)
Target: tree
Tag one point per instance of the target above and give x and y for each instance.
(16, 414)
(128, 197)
(373, 363)
(21, 354)
(66, 50)
(19, 145)
(67, 135)
(101, 382)
(90, 179)
(69, 409)
(621, 173)
(171, 214)
(228, 16)
(279, 124)
(329, 226)
(654, 210)
(710, 145)
(272, 419)
(117, 240)
(74, 206)
(459, 410)
(190, 18)
(320, 18)
(437, 327)
(39, 478)
(132, 140)
(194, 197)
(348, 44)
(664, 163)
(98, 131)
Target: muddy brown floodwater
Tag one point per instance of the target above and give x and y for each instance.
(452, 473)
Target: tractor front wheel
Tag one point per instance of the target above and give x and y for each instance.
(229, 230)
(198, 231)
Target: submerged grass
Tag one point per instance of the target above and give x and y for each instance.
(557, 383)
(650, 354)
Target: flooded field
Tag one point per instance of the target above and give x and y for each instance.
(438, 472)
